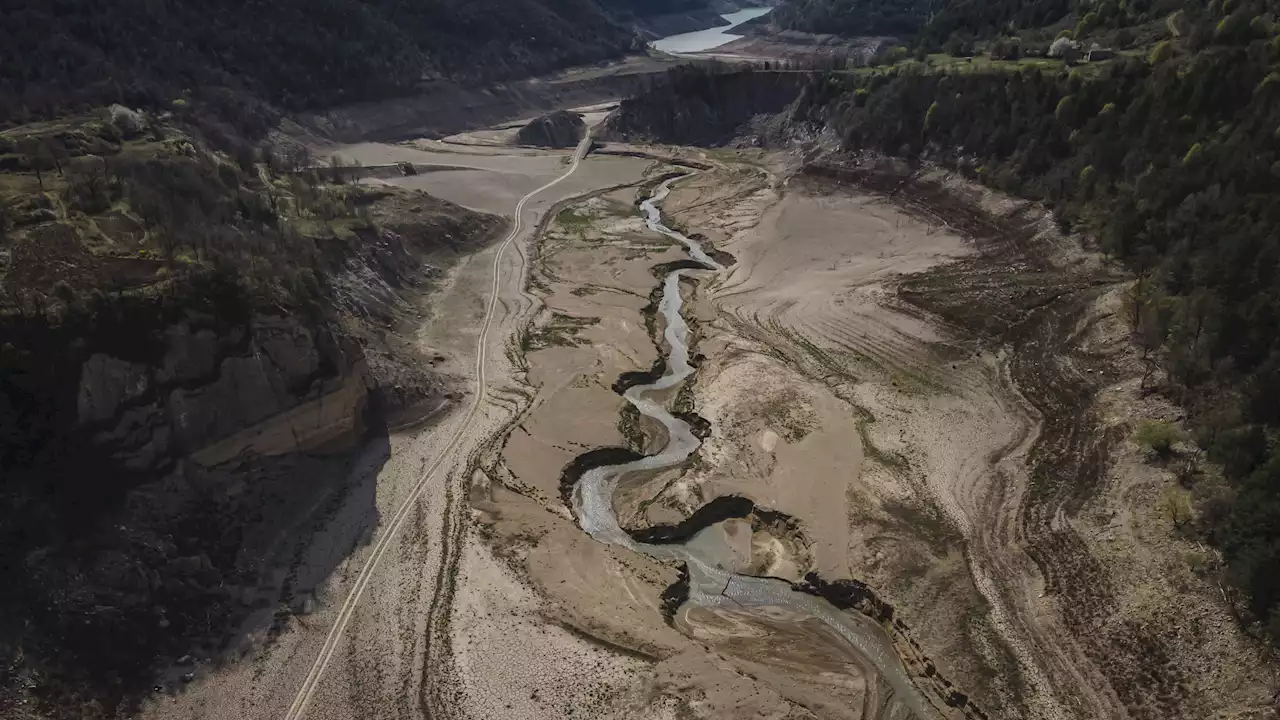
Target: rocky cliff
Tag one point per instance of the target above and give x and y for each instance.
(559, 129)
(443, 108)
(696, 105)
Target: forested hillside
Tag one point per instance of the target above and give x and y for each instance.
(896, 18)
(1169, 155)
(931, 23)
(61, 55)
(159, 303)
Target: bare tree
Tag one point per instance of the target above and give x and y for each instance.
(1176, 503)
(337, 173)
(297, 157)
(8, 215)
(40, 156)
(165, 216)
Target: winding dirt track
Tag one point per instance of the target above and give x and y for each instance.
(304, 695)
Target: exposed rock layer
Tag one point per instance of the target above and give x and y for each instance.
(559, 129)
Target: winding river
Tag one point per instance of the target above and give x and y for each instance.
(710, 584)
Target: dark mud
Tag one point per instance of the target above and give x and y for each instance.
(698, 425)
(662, 270)
(591, 460)
(630, 379)
(858, 597)
(847, 595)
(675, 595)
(720, 256)
(720, 509)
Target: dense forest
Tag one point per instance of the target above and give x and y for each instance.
(1170, 157)
(854, 18)
(60, 56)
(932, 23)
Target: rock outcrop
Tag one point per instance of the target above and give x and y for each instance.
(697, 106)
(559, 129)
(210, 388)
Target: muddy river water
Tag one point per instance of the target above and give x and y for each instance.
(712, 582)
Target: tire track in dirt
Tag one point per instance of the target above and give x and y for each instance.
(821, 334)
(307, 691)
(439, 691)
(1017, 293)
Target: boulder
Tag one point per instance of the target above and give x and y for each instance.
(130, 122)
(106, 383)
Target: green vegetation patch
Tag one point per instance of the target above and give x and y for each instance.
(560, 330)
(575, 220)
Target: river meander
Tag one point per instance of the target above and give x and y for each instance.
(711, 585)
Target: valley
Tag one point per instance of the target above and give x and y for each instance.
(628, 390)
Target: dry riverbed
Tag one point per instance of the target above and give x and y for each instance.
(857, 381)
(883, 437)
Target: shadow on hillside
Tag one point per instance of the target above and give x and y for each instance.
(175, 576)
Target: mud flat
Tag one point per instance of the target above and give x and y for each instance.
(834, 403)
(596, 263)
(592, 272)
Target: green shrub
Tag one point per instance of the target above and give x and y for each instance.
(1161, 52)
(1158, 437)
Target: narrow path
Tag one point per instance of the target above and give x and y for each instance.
(300, 702)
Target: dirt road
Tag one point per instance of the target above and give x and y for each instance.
(305, 693)
(362, 652)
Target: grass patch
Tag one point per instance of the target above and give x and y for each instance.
(573, 220)
(561, 330)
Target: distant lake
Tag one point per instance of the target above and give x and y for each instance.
(709, 38)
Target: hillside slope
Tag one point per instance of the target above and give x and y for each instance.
(291, 53)
(60, 57)
(853, 18)
(196, 352)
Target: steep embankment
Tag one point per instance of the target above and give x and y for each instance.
(238, 61)
(193, 347)
(559, 129)
(692, 106)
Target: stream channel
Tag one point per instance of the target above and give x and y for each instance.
(711, 585)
